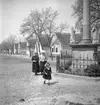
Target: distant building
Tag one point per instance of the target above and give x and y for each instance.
(30, 47)
(16, 48)
(36, 45)
(22, 48)
(32, 44)
(60, 43)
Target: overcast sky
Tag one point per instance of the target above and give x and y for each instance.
(12, 13)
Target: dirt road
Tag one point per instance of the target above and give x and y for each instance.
(19, 86)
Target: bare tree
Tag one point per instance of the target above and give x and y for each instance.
(42, 22)
(8, 44)
(11, 42)
(39, 22)
(4, 46)
(63, 27)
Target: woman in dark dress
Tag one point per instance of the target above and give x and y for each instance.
(35, 63)
(43, 60)
(47, 73)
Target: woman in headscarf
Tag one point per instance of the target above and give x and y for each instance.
(43, 60)
(35, 63)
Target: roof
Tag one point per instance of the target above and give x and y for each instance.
(22, 45)
(45, 40)
(63, 38)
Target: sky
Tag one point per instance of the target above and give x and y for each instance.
(13, 12)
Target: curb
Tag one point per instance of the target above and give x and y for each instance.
(62, 75)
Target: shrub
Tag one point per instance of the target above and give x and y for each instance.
(67, 65)
(97, 57)
(76, 72)
(92, 70)
(61, 68)
(67, 71)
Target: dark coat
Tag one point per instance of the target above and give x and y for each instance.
(35, 64)
(47, 73)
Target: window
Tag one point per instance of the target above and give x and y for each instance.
(52, 49)
(56, 49)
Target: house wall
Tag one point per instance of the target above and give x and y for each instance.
(66, 50)
(32, 52)
(15, 50)
(18, 48)
(56, 46)
(28, 51)
(56, 49)
(47, 50)
(38, 47)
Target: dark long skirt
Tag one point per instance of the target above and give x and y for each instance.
(35, 67)
(42, 66)
(48, 77)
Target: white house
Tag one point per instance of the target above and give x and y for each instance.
(61, 43)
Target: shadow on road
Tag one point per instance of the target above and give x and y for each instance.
(52, 83)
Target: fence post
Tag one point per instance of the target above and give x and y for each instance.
(57, 63)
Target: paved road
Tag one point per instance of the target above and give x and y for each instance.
(18, 82)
